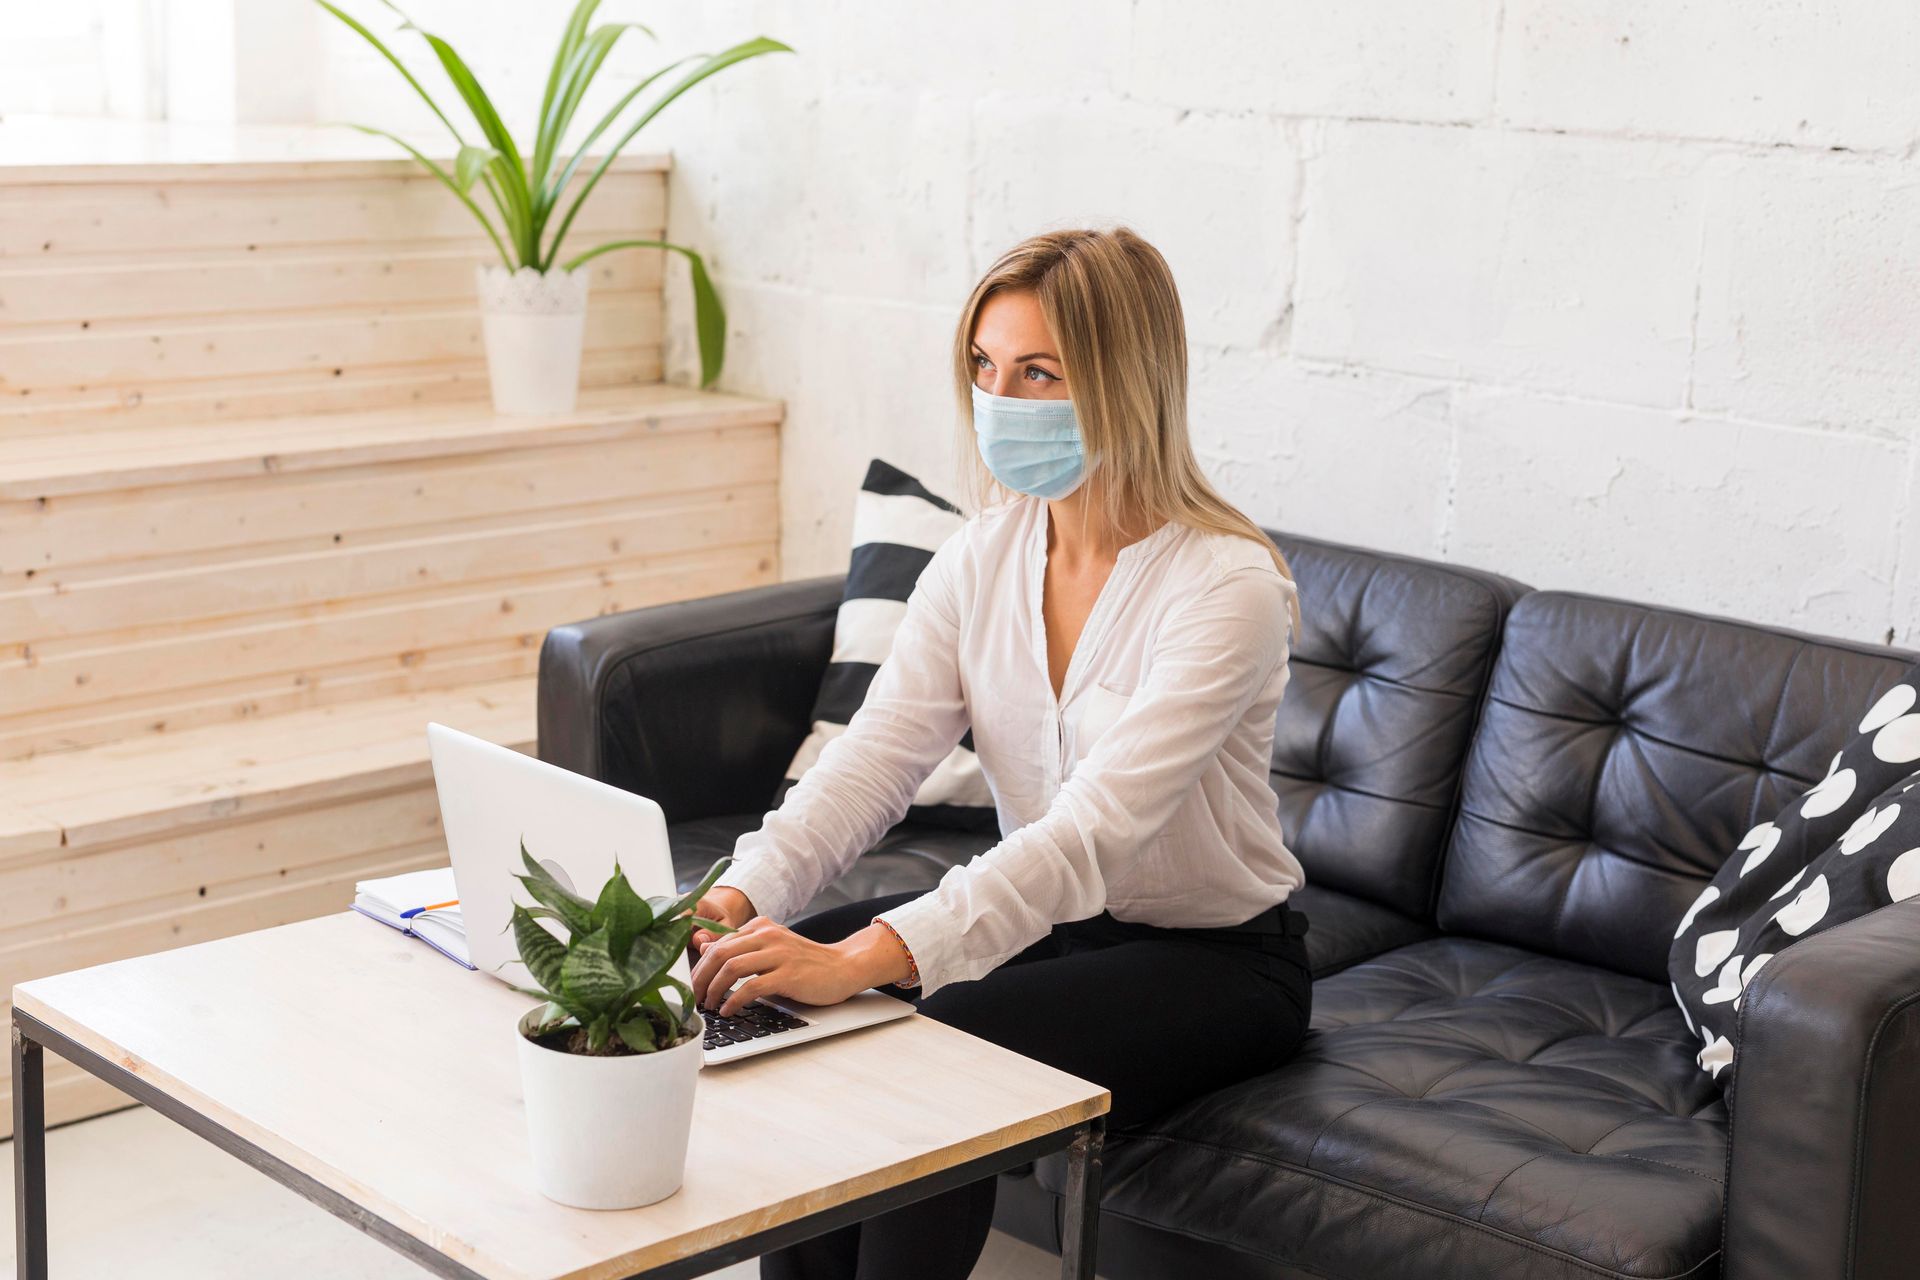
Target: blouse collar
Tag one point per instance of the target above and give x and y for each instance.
(1132, 551)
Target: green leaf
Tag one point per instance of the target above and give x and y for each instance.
(574, 911)
(656, 950)
(621, 912)
(508, 173)
(682, 1015)
(638, 1033)
(711, 926)
(539, 950)
(471, 163)
(687, 900)
(447, 181)
(398, 65)
(552, 1018)
(551, 194)
(506, 166)
(570, 37)
(598, 1032)
(588, 975)
(558, 115)
(709, 315)
(712, 64)
(673, 1021)
(571, 1009)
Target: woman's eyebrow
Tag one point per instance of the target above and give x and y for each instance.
(1031, 355)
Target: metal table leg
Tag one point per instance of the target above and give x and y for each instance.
(29, 1159)
(1079, 1242)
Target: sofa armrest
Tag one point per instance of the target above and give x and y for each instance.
(1824, 1163)
(696, 704)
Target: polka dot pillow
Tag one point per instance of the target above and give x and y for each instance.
(1849, 846)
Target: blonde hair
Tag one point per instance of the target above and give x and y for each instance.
(1109, 299)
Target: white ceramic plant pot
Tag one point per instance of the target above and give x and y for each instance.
(608, 1133)
(534, 324)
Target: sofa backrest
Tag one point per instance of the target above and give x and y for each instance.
(1370, 740)
(1623, 752)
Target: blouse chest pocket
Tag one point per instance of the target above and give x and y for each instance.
(1095, 711)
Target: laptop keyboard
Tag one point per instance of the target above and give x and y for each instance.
(754, 1022)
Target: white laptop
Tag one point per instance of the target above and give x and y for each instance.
(492, 797)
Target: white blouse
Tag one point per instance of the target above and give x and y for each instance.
(1142, 790)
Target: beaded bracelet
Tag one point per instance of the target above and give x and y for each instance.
(913, 967)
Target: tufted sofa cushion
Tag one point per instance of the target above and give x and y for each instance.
(1386, 678)
(1623, 752)
(1461, 1108)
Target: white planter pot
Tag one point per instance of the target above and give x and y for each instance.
(608, 1133)
(533, 325)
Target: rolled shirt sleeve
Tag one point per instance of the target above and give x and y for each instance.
(1211, 659)
(865, 778)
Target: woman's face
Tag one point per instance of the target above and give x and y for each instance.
(1013, 354)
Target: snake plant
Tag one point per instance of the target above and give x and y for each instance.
(609, 976)
(527, 189)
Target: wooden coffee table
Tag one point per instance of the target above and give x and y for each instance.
(378, 1080)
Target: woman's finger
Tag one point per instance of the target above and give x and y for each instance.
(716, 953)
(741, 966)
(746, 993)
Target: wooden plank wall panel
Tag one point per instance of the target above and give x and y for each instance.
(101, 291)
(64, 542)
(129, 646)
(150, 299)
(243, 671)
(275, 764)
(241, 346)
(223, 400)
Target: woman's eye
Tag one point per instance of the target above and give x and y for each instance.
(979, 361)
(1044, 375)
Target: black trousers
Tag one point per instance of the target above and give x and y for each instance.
(1157, 1016)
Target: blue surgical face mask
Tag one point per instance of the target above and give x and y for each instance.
(1031, 446)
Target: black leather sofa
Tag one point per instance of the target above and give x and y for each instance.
(1504, 800)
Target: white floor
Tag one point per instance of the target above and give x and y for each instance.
(133, 1194)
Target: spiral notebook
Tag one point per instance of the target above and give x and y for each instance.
(420, 904)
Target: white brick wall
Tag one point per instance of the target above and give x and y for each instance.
(1614, 297)
(1618, 499)
(1503, 258)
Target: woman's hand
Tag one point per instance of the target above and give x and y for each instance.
(768, 959)
(727, 905)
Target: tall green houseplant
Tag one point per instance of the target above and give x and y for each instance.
(528, 189)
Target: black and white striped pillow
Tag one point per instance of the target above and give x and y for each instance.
(897, 526)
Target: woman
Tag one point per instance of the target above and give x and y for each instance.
(1116, 635)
